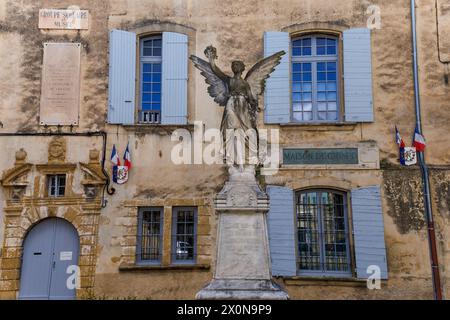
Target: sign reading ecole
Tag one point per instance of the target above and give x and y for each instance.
(320, 156)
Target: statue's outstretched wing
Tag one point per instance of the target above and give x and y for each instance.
(257, 75)
(218, 88)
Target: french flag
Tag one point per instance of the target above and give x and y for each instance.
(116, 162)
(419, 141)
(127, 158)
(401, 145)
(115, 156)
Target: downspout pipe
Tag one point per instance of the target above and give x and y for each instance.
(110, 190)
(437, 289)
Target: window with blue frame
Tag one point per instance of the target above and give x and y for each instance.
(150, 84)
(315, 79)
(323, 237)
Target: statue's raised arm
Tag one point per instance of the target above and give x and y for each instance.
(218, 81)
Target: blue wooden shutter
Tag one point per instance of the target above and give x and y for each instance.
(281, 229)
(358, 76)
(277, 98)
(175, 77)
(122, 77)
(368, 229)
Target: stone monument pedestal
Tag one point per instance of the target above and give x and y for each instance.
(243, 258)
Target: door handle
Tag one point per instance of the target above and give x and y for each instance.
(54, 264)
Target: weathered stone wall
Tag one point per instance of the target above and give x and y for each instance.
(236, 28)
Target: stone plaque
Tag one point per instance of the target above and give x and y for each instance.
(60, 96)
(243, 252)
(63, 19)
(320, 156)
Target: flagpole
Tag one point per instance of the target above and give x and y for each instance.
(437, 289)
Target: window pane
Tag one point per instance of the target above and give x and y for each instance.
(307, 87)
(146, 97)
(307, 106)
(321, 96)
(297, 107)
(156, 67)
(147, 52)
(157, 43)
(296, 87)
(308, 234)
(306, 51)
(147, 67)
(321, 51)
(332, 116)
(297, 77)
(296, 51)
(156, 87)
(156, 97)
(184, 238)
(147, 77)
(307, 97)
(157, 52)
(146, 87)
(296, 67)
(322, 116)
(150, 236)
(307, 76)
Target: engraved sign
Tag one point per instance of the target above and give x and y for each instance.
(242, 250)
(60, 97)
(63, 19)
(320, 156)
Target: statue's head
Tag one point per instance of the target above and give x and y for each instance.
(237, 66)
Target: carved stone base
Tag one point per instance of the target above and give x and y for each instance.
(242, 290)
(243, 257)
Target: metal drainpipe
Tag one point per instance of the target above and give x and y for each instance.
(437, 289)
(104, 135)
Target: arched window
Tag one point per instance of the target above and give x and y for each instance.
(315, 79)
(150, 84)
(322, 226)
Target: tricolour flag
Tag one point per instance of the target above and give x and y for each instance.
(115, 157)
(401, 145)
(127, 158)
(115, 160)
(419, 141)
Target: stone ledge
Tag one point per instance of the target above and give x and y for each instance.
(325, 281)
(136, 267)
(321, 126)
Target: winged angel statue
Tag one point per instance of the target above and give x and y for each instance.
(239, 96)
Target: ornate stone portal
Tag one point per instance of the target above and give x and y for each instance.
(243, 258)
(27, 203)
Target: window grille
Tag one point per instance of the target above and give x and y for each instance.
(149, 242)
(56, 185)
(184, 235)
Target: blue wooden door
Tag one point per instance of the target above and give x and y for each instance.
(50, 248)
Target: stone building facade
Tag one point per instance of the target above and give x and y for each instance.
(39, 157)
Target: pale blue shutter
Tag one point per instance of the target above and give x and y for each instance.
(281, 229)
(358, 76)
(277, 97)
(368, 229)
(175, 78)
(122, 77)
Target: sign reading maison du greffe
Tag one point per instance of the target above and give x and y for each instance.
(63, 19)
(320, 156)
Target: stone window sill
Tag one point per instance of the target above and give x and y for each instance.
(143, 127)
(325, 281)
(150, 267)
(321, 126)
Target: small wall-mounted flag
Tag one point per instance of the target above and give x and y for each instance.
(419, 141)
(401, 145)
(115, 160)
(127, 158)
